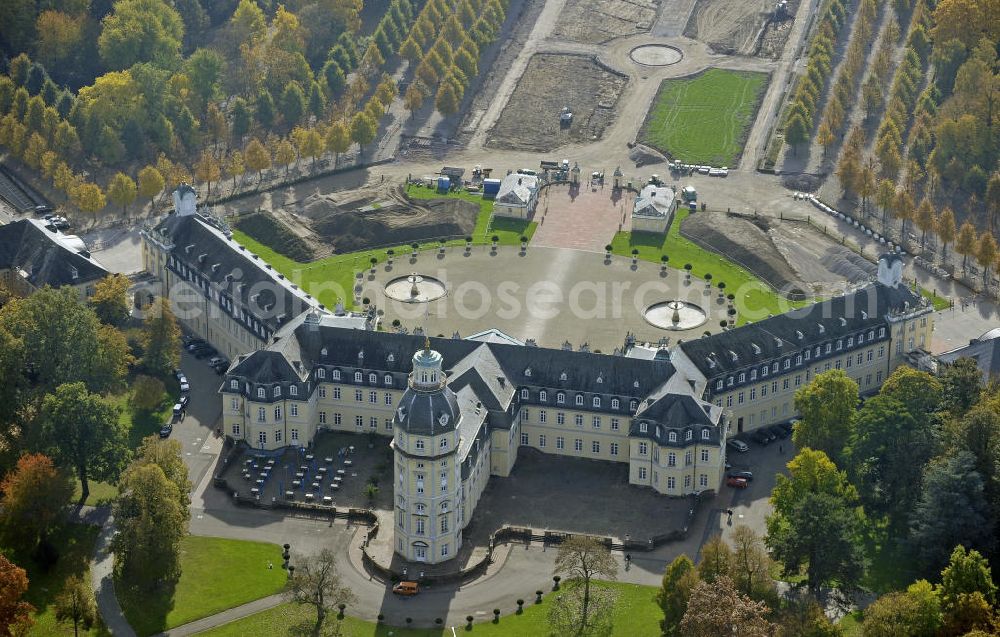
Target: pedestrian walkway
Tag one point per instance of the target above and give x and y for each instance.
(585, 220)
(103, 582)
(226, 616)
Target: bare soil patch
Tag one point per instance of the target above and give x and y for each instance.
(729, 27)
(530, 120)
(360, 224)
(790, 255)
(776, 33)
(271, 232)
(599, 21)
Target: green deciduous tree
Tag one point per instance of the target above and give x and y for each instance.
(121, 191)
(679, 581)
(161, 338)
(110, 299)
(817, 523)
(141, 31)
(826, 406)
(151, 523)
(967, 592)
(82, 431)
(147, 393)
(716, 559)
(150, 184)
(913, 613)
(257, 158)
(951, 510)
(338, 139)
(886, 457)
(166, 454)
(363, 129)
(75, 605)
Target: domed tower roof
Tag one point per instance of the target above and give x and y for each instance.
(428, 407)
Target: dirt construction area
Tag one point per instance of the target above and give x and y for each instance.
(530, 121)
(790, 255)
(347, 226)
(729, 27)
(598, 21)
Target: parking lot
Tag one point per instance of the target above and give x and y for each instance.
(195, 430)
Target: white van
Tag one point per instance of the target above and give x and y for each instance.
(739, 445)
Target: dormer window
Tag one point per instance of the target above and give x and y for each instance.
(579, 399)
(756, 348)
(799, 335)
(632, 405)
(718, 384)
(763, 370)
(336, 374)
(390, 358)
(733, 355)
(729, 381)
(560, 398)
(358, 377)
(881, 332)
(840, 344)
(527, 372)
(373, 378)
(806, 354)
(600, 380)
(562, 376)
(743, 377)
(543, 395)
(829, 347)
(597, 401)
(798, 359)
(234, 384)
(261, 392)
(293, 391)
(361, 355)
(277, 392)
(615, 403)
(524, 394)
(688, 435)
(643, 428)
(705, 434)
(821, 328)
(753, 374)
(672, 436)
(387, 379)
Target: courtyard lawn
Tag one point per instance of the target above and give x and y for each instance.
(216, 574)
(939, 302)
(636, 613)
(754, 298)
(75, 543)
(704, 119)
(332, 279)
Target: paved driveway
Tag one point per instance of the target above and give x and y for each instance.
(196, 431)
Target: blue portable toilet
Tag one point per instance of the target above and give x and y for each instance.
(490, 188)
(444, 184)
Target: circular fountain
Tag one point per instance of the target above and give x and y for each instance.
(675, 315)
(415, 288)
(656, 55)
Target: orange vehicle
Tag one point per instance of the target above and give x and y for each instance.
(406, 588)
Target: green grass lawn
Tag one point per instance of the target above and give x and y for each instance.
(139, 425)
(754, 298)
(704, 119)
(636, 613)
(851, 624)
(75, 543)
(332, 278)
(939, 302)
(216, 574)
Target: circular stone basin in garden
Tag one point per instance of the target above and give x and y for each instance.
(656, 55)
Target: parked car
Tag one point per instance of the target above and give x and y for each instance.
(779, 432)
(184, 400)
(42, 209)
(746, 475)
(739, 445)
(761, 437)
(204, 351)
(221, 367)
(165, 430)
(406, 588)
(178, 411)
(737, 483)
(195, 343)
(215, 360)
(185, 386)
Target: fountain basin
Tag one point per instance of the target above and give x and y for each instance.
(675, 315)
(415, 288)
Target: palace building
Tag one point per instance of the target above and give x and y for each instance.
(456, 411)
